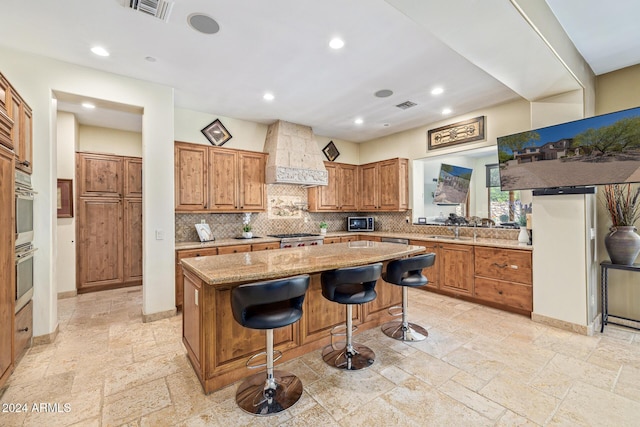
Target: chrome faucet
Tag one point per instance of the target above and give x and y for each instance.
(456, 231)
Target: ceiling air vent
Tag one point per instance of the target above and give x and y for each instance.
(406, 104)
(160, 9)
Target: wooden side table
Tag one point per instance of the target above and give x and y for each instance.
(605, 266)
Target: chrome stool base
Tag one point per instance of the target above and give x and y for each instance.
(410, 332)
(253, 398)
(361, 357)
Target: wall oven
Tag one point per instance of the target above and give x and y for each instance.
(24, 274)
(24, 208)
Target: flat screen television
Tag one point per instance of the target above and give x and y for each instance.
(453, 185)
(597, 150)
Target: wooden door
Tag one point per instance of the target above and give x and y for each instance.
(190, 171)
(132, 177)
(348, 187)
(456, 268)
(223, 171)
(325, 197)
(251, 185)
(99, 175)
(7, 261)
(369, 187)
(132, 240)
(100, 245)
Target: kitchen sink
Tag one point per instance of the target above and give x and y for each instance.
(450, 238)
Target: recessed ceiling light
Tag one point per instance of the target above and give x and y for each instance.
(385, 124)
(383, 93)
(358, 121)
(336, 43)
(100, 51)
(446, 111)
(88, 105)
(437, 91)
(150, 59)
(268, 97)
(203, 23)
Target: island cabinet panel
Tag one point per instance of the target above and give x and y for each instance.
(237, 343)
(431, 273)
(321, 315)
(191, 165)
(503, 277)
(388, 295)
(192, 319)
(456, 269)
(188, 253)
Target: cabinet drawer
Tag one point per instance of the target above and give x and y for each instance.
(503, 264)
(191, 253)
(23, 330)
(329, 240)
(265, 246)
(233, 249)
(511, 294)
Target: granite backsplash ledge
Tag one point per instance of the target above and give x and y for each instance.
(287, 213)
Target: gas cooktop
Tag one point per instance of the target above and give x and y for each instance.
(292, 235)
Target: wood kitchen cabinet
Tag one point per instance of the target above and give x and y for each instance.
(6, 122)
(384, 186)
(7, 262)
(234, 249)
(190, 170)
(431, 273)
(456, 268)
(22, 131)
(236, 181)
(341, 193)
(192, 334)
(187, 253)
(214, 179)
(109, 221)
(265, 246)
(504, 277)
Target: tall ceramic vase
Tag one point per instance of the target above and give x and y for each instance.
(623, 244)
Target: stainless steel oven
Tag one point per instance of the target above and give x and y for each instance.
(24, 208)
(24, 274)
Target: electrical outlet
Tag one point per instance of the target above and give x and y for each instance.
(202, 221)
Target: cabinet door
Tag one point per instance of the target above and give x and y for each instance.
(188, 253)
(325, 197)
(7, 261)
(369, 187)
(99, 175)
(265, 246)
(132, 177)
(456, 268)
(4, 95)
(393, 185)
(191, 336)
(252, 188)
(132, 240)
(26, 141)
(431, 273)
(348, 187)
(223, 171)
(100, 243)
(6, 122)
(190, 177)
(15, 112)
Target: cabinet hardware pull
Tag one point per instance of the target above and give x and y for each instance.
(25, 329)
(499, 265)
(499, 292)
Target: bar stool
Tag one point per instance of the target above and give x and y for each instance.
(349, 286)
(407, 272)
(268, 305)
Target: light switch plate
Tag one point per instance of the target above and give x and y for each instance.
(159, 235)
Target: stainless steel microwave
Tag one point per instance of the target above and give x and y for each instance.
(360, 223)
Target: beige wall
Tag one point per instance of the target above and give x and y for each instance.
(109, 141)
(618, 90)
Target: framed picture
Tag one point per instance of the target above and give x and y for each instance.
(456, 133)
(65, 198)
(216, 133)
(330, 151)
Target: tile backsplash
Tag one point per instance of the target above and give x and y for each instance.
(230, 225)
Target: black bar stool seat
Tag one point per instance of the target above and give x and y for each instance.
(349, 286)
(407, 272)
(268, 305)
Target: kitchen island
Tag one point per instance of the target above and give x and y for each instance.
(218, 347)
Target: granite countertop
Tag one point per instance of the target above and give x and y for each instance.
(245, 267)
(464, 240)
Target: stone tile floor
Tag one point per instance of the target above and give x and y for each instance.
(479, 366)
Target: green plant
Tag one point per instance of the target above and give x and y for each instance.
(323, 224)
(622, 203)
(246, 228)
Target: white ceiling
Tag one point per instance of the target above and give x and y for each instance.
(281, 46)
